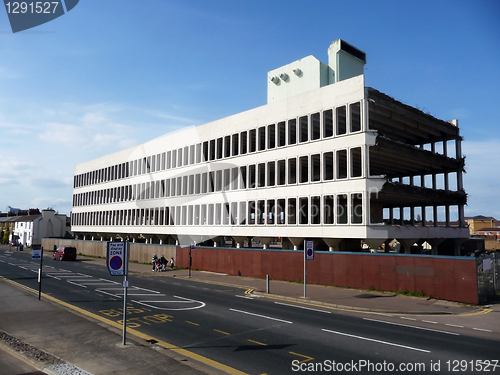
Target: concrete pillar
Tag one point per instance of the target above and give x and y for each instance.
(265, 241)
(435, 214)
(296, 242)
(408, 243)
(435, 242)
(333, 243)
(239, 241)
(374, 243)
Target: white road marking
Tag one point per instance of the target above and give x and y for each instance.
(139, 294)
(186, 300)
(83, 286)
(261, 316)
(237, 295)
(405, 325)
(54, 277)
(302, 307)
(454, 325)
(378, 341)
(429, 321)
(481, 329)
(403, 317)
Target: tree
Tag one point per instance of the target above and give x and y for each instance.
(6, 234)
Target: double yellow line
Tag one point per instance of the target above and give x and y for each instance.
(163, 344)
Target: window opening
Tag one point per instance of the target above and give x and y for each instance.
(341, 120)
(315, 126)
(356, 170)
(235, 145)
(271, 136)
(357, 208)
(253, 140)
(303, 169)
(341, 164)
(243, 144)
(292, 171)
(281, 172)
(328, 205)
(303, 129)
(281, 134)
(292, 211)
(262, 175)
(262, 138)
(292, 131)
(355, 109)
(316, 167)
(271, 173)
(341, 209)
(251, 176)
(219, 148)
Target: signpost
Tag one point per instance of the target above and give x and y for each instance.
(308, 255)
(37, 253)
(192, 247)
(117, 255)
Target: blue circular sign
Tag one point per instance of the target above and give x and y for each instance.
(116, 263)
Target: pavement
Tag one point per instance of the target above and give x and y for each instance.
(57, 338)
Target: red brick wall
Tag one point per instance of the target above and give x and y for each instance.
(453, 279)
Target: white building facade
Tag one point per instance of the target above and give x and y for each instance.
(326, 159)
(31, 229)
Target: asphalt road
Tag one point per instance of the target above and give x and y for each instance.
(258, 335)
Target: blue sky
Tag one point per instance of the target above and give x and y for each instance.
(114, 73)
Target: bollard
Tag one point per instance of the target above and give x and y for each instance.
(267, 284)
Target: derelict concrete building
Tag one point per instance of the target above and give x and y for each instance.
(326, 159)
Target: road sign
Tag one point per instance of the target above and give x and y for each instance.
(36, 253)
(116, 258)
(309, 250)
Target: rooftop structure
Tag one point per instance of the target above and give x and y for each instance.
(327, 159)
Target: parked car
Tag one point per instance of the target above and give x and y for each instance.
(65, 253)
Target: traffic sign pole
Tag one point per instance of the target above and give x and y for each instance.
(305, 268)
(125, 287)
(40, 276)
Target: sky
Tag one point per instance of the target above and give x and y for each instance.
(111, 74)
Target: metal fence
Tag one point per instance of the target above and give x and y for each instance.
(488, 275)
